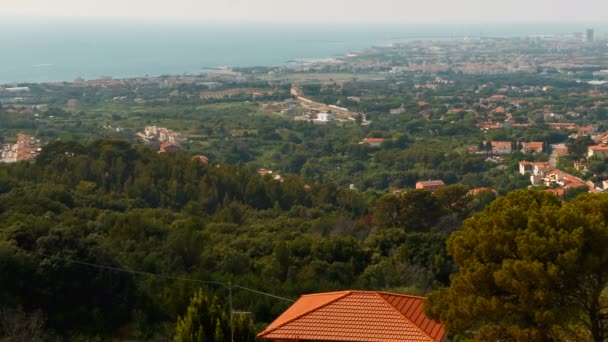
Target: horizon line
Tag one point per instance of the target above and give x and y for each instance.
(190, 20)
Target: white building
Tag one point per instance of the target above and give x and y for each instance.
(325, 117)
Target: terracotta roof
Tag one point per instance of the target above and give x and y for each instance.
(373, 140)
(598, 148)
(541, 165)
(355, 316)
(559, 125)
(430, 182)
(501, 144)
(533, 145)
(201, 158)
(479, 190)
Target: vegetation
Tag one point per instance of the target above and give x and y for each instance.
(72, 219)
(104, 238)
(529, 269)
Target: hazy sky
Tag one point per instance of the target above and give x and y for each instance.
(315, 10)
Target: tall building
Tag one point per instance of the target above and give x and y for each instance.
(589, 35)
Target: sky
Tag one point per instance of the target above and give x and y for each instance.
(313, 10)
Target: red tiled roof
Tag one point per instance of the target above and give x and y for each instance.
(355, 316)
(430, 182)
(598, 148)
(501, 144)
(559, 125)
(479, 190)
(201, 158)
(373, 140)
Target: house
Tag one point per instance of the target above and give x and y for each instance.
(501, 147)
(430, 185)
(525, 167)
(373, 142)
(169, 147)
(497, 98)
(296, 91)
(72, 103)
(586, 131)
(203, 159)
(601, 151)
(396, 111)
(355, 316)
(535, 168)
(562, 125)
(264, 172)
(580, 165)
(324, 117)
(477, 191)
(161, 134)
(564, 180)
(533, 146)
(543, 173)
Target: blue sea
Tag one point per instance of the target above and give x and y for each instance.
(62, 50)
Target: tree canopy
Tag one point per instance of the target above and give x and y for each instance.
(530, 269)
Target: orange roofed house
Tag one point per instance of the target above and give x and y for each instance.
(430, 185)
(600, 151)
(373, 142)
(355, 316)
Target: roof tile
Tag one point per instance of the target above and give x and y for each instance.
(355, 316)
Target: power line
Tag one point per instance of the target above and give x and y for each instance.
(263, 293)
(119, 269)
(127, 270)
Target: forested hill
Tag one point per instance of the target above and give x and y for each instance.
(110, 205)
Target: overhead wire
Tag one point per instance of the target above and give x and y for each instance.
(125, 270)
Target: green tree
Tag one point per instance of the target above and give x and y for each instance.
(530, 269)
(208, 321)
(578, 147)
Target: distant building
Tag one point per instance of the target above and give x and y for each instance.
(477, 191)
(296, 91)
(396, 111)
(26, 148)
(562, 125)
(543, 173)
(17, 89)
(430, 185)
(325, 117)
(161, 134)
(533, 146)
(169, 147)
(72, 103)
(600, 151)
(589, 35)
(533, 168)
(264, 172)
(501, 147)
(203, 159)
(583, 131)
(373, 142)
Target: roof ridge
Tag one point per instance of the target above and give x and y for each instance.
(325, 293)
(346, 293)
(399, 294)
(379, 294)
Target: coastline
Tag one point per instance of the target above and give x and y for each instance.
(41, 53)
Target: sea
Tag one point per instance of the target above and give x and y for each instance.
(53, 50)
